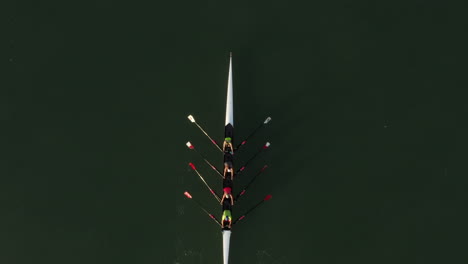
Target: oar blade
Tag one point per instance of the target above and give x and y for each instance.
(187, 194)
(189, 145)
(192, 166)
(268, 197)
(190, 117)
(267, 120)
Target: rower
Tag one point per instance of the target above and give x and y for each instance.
(227, 145)
(227, 197)
(229, 170)
(226, 219)
(227, 189)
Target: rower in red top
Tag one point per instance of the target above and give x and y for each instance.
(227, 190)
(227, 197)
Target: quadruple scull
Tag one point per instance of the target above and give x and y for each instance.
(228, 150)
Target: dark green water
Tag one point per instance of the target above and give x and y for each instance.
(369, 130)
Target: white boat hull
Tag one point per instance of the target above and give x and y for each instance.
(230, 98)
(228, 133)
(226, 242)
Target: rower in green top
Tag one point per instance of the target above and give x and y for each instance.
(227, 145)
(226, 220)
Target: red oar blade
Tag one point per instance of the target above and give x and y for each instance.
(187, 194)
(268, 197)
(192, 166)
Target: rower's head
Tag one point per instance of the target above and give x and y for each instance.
(228, 139)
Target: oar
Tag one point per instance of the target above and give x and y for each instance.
(267, 145)
(187, 194)
(268, 197)
(201, 177)
(268, 119)
(251, 181)
(190, 117)
(190, 146)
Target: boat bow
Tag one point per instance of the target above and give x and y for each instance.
(230, 98)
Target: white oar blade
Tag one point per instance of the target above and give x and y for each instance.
(189, 145)
(267, 120)
(226, 242)
(267, 145)
(190, 117)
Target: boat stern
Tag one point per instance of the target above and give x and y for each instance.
(226, 242)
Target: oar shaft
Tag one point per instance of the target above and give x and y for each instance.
(249, 136)
(253, 208)
(250, 210)
(206, 134)
(250, 182)
(268, 197)
(253, 132)
(209, 188)
(253, 157)
(206, 184)
(204, 210)
(209, 163)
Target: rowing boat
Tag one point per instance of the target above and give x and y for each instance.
(228, 133)
(228, 159)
